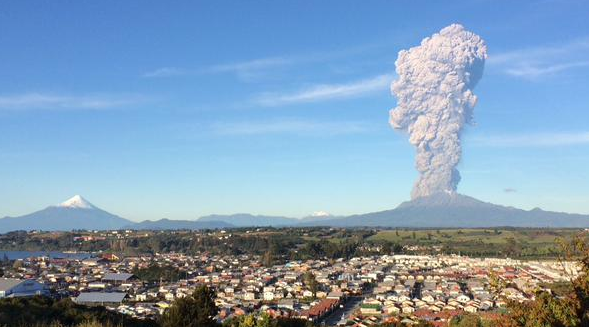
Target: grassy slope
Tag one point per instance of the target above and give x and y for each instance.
(529, 242)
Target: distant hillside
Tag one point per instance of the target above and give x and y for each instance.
(165, 224)
(247, 220)
(75, 213)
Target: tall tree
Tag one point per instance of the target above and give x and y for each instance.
(196, 310)
(311, 282)
(268, 258)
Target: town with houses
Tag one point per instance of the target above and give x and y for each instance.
(360, 291)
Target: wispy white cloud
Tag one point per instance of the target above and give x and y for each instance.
(166, 72)
(251, 65)
(327, 92)
(536, 62)
(253, 70)
(289, 126)
(257, 67)
(534, 139)
(532, 71)
(54, 101)
(246, 70)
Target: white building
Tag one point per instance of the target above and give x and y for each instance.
(10, 287)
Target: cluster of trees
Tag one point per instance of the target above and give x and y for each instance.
(196, 310)
(43, 311)
(471, 320)
(265, 320)
(321, 249)
(346, 248)
(155, 273)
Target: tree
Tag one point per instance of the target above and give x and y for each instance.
(248, 321)
(292, 322)
(17, 264)
(265, 320)
(496, 284)
(466, 320)
(311, 282)
(511, 248)
(268, 259)
(196, 310)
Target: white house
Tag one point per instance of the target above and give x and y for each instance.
(462, 298)
(249, 296)
(472, 308)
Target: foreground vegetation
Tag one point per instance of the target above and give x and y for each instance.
(43, 311)
(197, 310)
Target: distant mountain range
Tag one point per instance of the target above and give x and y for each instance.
(165, 224)
(439, 210)
(245, 220)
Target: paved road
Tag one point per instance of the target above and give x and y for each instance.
(349, 307)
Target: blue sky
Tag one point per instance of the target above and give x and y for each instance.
(157, 109)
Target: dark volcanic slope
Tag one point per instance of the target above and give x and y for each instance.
(455, 210)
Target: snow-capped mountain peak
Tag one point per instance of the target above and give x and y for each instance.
(320, 214)
(78, 202)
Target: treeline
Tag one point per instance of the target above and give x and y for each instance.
(346, 249)
(280, 244)
(285, 243)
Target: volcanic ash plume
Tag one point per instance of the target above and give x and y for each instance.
(435, 101)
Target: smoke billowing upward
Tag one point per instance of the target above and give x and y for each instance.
(435, 101)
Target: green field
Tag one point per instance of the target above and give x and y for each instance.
(497, 242)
